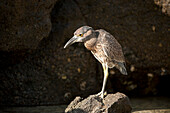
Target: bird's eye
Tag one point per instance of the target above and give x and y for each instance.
(81, 35)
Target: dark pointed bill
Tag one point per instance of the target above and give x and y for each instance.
(71, 41)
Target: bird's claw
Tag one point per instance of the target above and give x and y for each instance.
(101, 94)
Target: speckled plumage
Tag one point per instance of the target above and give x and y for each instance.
(103, 46)
(107, 49)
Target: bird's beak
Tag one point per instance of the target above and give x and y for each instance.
(71, 41)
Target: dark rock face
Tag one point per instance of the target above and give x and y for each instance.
(142, 30)
(164, 4)
(112, 103)
(50, 74)
(53, 75)
(24, 23)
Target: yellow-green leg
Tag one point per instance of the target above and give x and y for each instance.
(105, 69)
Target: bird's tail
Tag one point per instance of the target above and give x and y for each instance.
(121, 68)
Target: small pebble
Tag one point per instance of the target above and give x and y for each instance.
(163, 71)
(153, 28)
(64, 77)
(160, 44)
(79, 70)
(69, 60)
(150, 75)
(83, 85)
(132, 68)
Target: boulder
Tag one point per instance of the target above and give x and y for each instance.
(48, 74)
(24, 23)
(112, 103)
(164, 4)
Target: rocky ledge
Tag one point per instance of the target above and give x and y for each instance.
(112, 103)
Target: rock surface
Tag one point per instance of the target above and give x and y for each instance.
(112, 103)
(24, 23)
(139, 105)
(52, 75)
(165, 5)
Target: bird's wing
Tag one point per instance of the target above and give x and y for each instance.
(112, 49)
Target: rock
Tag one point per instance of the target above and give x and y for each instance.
(51, 75)
(142, 30)
(112, 103)
(164, 4)
(24, 23)
(47, 67)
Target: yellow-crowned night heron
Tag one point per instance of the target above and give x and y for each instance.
(104, 47)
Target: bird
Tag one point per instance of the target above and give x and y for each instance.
(105, 48)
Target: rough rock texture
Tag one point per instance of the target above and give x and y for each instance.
(165, 4)
(112, 103)
(52, 75)
(139, 105)
(24, 23)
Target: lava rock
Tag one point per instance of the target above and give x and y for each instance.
(24, 23)
(52, 75)
(164, 4)
(112, 103)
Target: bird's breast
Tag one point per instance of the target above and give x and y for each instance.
(90, 44)
(89, 47)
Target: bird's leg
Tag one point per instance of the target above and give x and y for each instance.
(105, 69)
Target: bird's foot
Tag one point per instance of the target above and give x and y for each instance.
(101, 94)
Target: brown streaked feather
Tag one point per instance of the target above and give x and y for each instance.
(111, 48)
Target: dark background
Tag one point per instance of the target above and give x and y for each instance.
(36, 70)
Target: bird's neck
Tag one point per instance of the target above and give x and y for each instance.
(90, 43)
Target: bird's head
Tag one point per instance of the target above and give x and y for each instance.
(80, 35)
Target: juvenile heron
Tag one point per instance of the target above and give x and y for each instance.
(104, 47)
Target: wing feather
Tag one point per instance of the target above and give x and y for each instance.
(112, 49)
